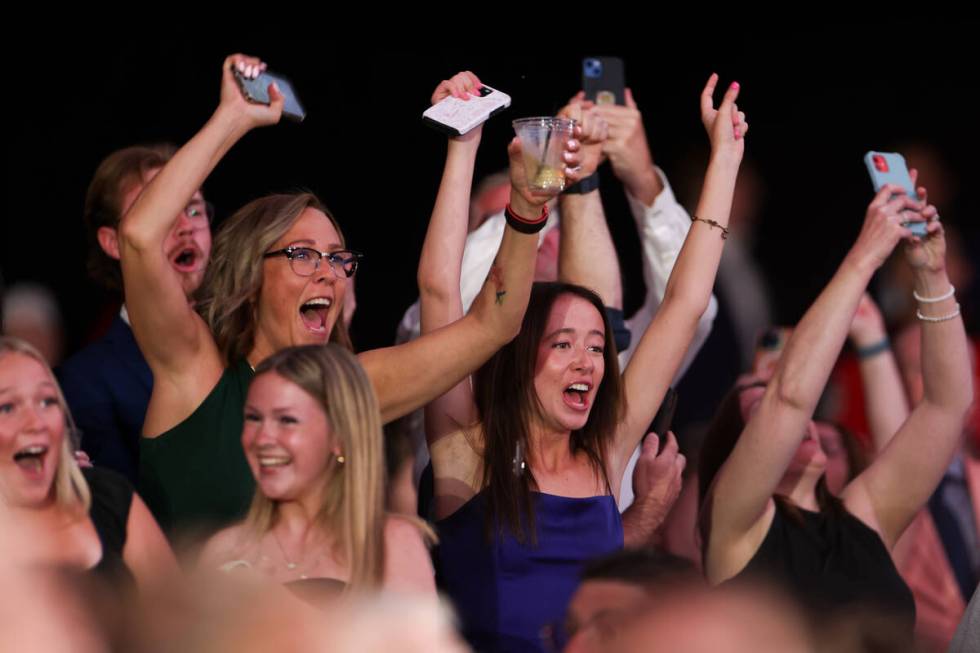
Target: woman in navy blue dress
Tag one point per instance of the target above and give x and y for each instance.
(529, 457)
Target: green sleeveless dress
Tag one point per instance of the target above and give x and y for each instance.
(194, 477)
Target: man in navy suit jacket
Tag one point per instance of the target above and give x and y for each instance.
(108, 384)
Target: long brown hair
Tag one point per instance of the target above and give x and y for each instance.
(230, 290)
(352, 513)
(507, 403)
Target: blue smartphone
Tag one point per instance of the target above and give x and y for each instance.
(890, 168)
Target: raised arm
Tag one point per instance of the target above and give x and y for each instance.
(665, 342)
(661, 222)
(411, 375)
(586, 255)
(885, 402)
(175, 341)
(440, 266)
(749, 477)
(903, 475)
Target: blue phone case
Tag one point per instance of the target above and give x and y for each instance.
(890, 168)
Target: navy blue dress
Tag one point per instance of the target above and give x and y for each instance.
(504, 591)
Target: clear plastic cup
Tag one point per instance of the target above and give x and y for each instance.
(543, 141)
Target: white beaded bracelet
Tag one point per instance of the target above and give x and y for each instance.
(941, 318)
(933, 300)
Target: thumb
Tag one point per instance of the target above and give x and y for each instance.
(630, 102)
(276, 98)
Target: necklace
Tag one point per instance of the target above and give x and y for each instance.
(290, 565)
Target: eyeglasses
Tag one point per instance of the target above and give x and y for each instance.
(305, 261)
(199, 209)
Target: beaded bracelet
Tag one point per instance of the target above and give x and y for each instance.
(932, 300)
(941, 318)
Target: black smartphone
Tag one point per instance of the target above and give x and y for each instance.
(604, 80)
(257, 91)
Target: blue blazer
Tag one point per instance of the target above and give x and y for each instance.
(107, 386)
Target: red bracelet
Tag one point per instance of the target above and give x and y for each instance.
(524, 225)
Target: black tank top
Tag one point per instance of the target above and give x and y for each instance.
(832, 561)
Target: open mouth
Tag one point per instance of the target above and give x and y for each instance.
(269, 461)
(31, 459)
(577, 395)
(314, 314)
(186, 259)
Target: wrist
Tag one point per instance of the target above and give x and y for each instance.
(872, 348)
(930, 283)
(523, 207)
(644, 184)
(230, 120)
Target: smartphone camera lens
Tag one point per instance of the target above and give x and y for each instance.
(592, 68)
(485, 91)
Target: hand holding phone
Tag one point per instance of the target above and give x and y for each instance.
(890, 168)
(255, 89)
(604, 80)
(468, 105)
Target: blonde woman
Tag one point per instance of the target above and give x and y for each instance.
(313, 441)
(277, 278)
(53, 514)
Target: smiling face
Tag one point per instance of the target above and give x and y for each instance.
(294, 309)
(287, 440)
(570, 364)
(32, 430)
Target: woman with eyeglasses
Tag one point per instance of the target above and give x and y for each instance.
(277, 278)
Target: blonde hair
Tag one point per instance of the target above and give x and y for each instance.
(230, 290)
(352, 512)
(71, 489)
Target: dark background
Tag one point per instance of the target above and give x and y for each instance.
(817, 99)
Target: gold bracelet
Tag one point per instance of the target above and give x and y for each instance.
(713, 224)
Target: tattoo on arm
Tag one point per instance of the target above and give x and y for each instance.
(497, 278)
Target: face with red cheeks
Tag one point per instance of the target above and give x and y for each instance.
(295, 309)
(287, 439)
(32, 431)
(570, 364)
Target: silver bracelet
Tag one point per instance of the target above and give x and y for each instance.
(933, 300)
(941, 318)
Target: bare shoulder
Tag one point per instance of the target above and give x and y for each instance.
(222, 546)
(404, 531)
(408, 566)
